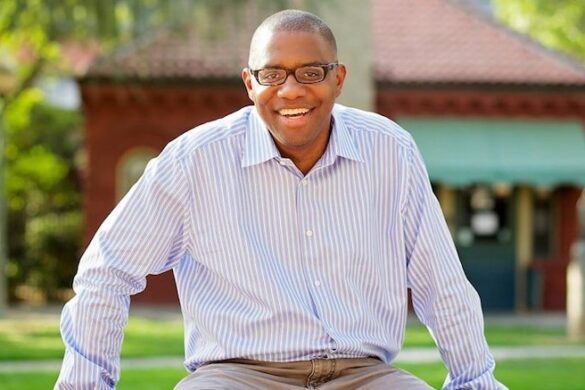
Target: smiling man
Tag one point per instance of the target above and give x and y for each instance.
(296, 110)
(294, 229)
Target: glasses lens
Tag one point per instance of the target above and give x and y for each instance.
(310, 74)
(271, 76)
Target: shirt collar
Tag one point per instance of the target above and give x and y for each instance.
(259, 146)
(341, 139)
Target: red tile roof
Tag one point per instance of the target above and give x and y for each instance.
(179, 55)
(437, 41)
(415, 41)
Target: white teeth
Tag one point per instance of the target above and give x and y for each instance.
(293, 111)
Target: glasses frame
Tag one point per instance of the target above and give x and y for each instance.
(326, 68)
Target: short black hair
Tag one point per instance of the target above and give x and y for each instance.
(292, 20)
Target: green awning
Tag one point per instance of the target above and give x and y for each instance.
(459, 152)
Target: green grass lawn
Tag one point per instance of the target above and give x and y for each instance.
(532, 374)
(33, 340)
(143, 379)
(30, 340)
(418, 336)
(529, 374)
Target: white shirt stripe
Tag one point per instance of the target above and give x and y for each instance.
(274, 265)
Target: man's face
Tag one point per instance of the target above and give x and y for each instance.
(293, 133)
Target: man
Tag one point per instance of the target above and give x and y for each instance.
(294, 229)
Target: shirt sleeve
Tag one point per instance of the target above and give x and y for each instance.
(443, 298)
(144, 235)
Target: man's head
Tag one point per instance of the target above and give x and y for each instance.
(290, 20)
(295, 105)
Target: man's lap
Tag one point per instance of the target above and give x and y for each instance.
(325, 374)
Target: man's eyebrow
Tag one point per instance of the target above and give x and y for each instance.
(276, 66)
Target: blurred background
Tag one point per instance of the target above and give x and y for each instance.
(492, 91)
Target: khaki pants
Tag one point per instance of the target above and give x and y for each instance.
(324, 374)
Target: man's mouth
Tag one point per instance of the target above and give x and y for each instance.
(293, 112)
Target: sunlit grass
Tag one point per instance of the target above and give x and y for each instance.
(29, 339)
(150, 379)
(529, 374)
(532, 374)
(498, 335)
(526, 335)
(153, 338)
(33, 339)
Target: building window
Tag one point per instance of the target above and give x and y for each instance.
(130, 168)
(484, 215)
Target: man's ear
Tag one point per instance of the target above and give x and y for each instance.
(247, 79)
(340, 72)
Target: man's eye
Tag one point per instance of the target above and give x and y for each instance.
(271, 75)
(311, 73)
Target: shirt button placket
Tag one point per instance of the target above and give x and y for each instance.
(309, 232)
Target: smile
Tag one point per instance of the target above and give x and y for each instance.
(293, 112)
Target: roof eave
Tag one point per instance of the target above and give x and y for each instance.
(483, 85)
(159, 80)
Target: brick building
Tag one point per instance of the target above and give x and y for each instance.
(499, 120)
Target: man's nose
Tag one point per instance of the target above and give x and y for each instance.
(291, 88)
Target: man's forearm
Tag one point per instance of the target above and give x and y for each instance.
(92, 327)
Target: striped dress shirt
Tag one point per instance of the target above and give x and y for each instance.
(271, 264)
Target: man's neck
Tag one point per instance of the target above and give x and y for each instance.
(304, 160)
(305, 157)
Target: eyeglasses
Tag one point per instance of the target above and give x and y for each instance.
(310, 74)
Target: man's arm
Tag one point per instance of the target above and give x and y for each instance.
(143, 235)
(443, 298)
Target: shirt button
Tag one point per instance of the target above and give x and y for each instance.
(282, 162)
(305, 183)
(309, 233)
(317, 283)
